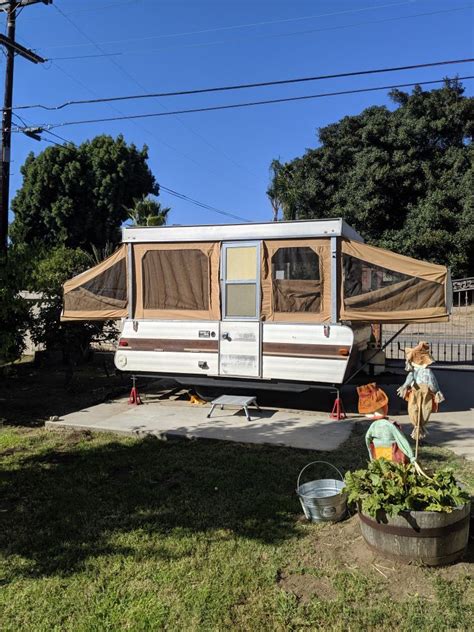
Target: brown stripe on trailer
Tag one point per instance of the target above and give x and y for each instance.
(295, 350)
(167, 344)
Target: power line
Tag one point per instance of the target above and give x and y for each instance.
(48, 131)
(102, 8)
(247, 25)
(85, 56)
(243, 86)
(161, 142)
(248, 104)
(186, 198)
(20, 118)
(261, 37)
(53, 142)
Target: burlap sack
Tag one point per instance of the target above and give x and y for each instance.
(371, 398)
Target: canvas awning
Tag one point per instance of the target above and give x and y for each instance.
(99, 293)
(379, 286)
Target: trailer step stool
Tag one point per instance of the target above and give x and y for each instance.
(239, 401)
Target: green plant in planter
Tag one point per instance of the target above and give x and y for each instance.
(394, 487)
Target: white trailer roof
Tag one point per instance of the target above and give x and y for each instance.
(235, 232)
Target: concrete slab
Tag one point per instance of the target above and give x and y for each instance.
(164, 415)
(167, 419)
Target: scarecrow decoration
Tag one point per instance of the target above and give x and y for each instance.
(420, 388)
(384, 438)
(373, 401)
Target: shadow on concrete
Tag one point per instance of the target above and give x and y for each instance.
(65, 505)
(289, 431)
(441, 434)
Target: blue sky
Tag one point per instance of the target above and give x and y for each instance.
(222, 158)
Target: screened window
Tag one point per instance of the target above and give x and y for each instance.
(107, 289)
(175, 279)
(241, 281)
(368, 287)
(296, 280)
(112, 283)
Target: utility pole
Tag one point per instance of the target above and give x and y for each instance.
(13, 48)
(6, 129)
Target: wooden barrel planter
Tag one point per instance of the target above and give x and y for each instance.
(425, 537)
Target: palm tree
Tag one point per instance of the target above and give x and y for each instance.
(97, 255)
(274, 191)
(148, 212)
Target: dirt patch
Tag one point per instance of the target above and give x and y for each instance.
(75, 437)
(306, 587)
(340, 547)
(12, 450)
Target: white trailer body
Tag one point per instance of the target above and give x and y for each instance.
(275, 304)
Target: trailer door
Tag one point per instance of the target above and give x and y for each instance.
(240, 339)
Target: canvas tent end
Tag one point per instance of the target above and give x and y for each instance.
(380, 286)
(99, 293)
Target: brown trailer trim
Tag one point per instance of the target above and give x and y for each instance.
(167, 344)
(294, 350)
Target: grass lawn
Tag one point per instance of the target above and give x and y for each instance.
(106, 533)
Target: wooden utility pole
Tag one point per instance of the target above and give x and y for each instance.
(6, 129)
(13, 48)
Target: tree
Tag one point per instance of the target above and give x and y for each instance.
(402, 178)
(76, 196)
(14, 310)
(148, 212)
(273, 191)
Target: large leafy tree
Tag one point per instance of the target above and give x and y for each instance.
(77, 196)
(403, 177)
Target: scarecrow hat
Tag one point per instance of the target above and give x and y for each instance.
(419, 354)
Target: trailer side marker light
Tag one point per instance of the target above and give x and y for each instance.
(344, 352)
(123, 343)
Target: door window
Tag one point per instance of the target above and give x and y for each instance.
(241, 279)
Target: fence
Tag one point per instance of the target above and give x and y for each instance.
(451, 342)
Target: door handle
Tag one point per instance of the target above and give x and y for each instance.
(226, 336)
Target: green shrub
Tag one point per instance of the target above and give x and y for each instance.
(14, 311)
(394, 487)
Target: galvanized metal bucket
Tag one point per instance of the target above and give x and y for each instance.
(322, 500)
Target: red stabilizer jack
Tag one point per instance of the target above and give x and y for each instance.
(134, 397)
(338, 411)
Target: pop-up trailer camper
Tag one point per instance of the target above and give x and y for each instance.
(278, 305)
